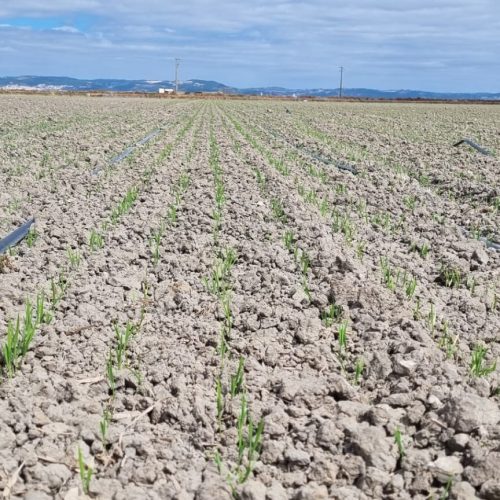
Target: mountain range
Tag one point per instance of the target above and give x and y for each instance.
(63, 83)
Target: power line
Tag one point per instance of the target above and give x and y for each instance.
(341, 80)
(177, 62)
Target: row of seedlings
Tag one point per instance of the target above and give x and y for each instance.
(230, 391)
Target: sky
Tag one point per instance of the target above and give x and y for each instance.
(435, 45)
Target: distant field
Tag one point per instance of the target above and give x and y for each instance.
(258, 299)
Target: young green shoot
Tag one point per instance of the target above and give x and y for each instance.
(123, 337)
(342, 337)
(74, 257)
(478, 366)
(331, 314)
(358, 370)
(85, 472)
(237, 379)
(278, 210)
(219, 402)
(104, 425)
(398, 439)
(42, 316)
(110, 373)
(31, 237)
(96, 240)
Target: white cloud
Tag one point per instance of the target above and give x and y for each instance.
(66, 29)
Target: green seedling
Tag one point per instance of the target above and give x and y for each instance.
(237, 379)
(223, 347)
(450, 276)
(218, 461)
(398, 439)
(11, 347)
(447, 489)
(422, 249)
(145, 300)
(42, 316)
(342, 337)
(219, 402)
(218, 281)
(323, 176)
(495, 204)
(124, 205)
(478, 367)
(155, 252)
(226, 309)
(220, 196)
(471, 284)
(360, 250)
(261, 179)
(358, 370)
(104, 425)
(410, 202)
(447, 342)
(305, 263)
(305, 287)
(74, 257)
(417, 311)
(123, 337)
(184, 181)
(172, 214)
(96, 240)
(387, 273)
(18, 339)
(57, 290)
(85, 472)
(324, 207)
(311, 197)
(278, 210)
(110, 373)
(31, 237)
(251, 443)
(289, 240)
(340, 189)
(432, 319)
(331, 314)
(342, 224)
(411, 286)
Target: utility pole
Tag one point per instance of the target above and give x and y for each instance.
(177, 62)
(341, 78)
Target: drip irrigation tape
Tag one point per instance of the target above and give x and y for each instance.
(122, 155)
(127, 152)
(489, 243)
(149, 137)
(474, 145)
(326, 161)
(16, 236)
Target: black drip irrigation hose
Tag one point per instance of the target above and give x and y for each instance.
(474, 145)
(489, 243)
(16, 236)
(326, 161)
(127, 152)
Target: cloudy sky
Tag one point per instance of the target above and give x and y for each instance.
(440, 45)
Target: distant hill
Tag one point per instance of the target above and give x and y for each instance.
(63, 83)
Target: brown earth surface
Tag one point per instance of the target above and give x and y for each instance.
(356, 304)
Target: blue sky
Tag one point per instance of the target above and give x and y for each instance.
(441, 45)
